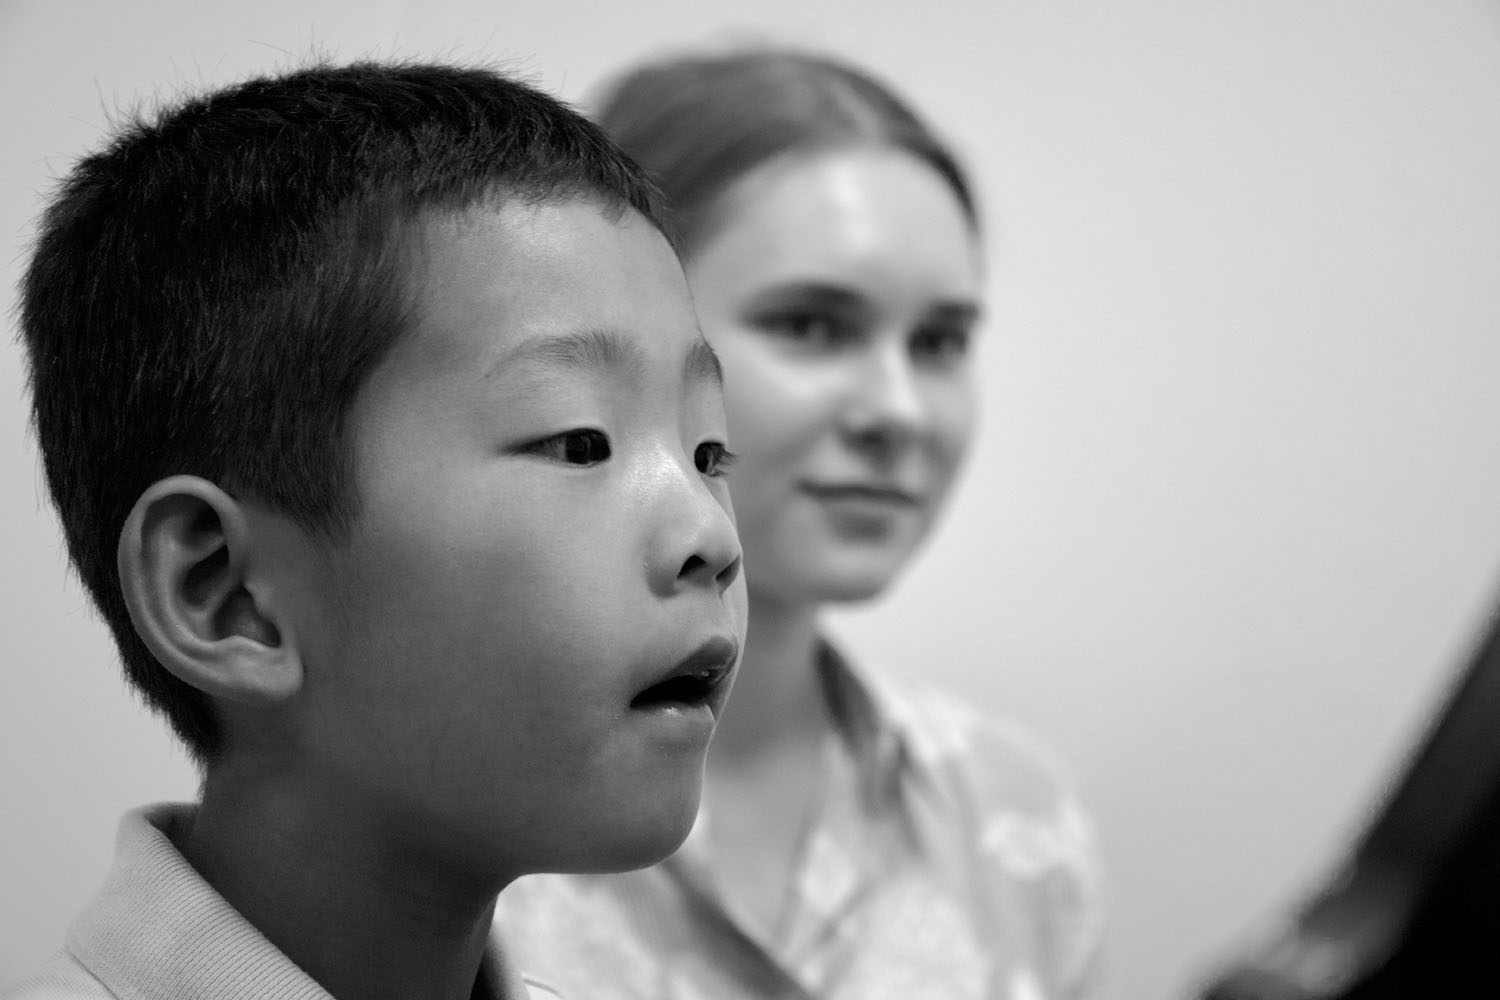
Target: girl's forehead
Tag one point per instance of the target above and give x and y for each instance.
(805, 189)
(869, 210)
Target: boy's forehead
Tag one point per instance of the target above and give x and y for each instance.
(568, 282)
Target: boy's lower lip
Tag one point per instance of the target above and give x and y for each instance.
(679, 724)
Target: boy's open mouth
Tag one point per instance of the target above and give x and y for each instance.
(694, 680)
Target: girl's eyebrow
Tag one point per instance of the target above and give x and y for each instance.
(958, 313)
(836, 298)
(702, 364)
(809, 293)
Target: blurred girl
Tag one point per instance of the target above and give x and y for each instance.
(860, 838)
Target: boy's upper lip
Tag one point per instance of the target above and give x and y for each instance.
(710, 663)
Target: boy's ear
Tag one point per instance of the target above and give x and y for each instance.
(185, 559)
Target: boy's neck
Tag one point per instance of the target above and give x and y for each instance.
(361, 919)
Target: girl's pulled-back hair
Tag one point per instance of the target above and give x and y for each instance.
(699, 123)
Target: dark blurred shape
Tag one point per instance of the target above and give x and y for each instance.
(1414, 912)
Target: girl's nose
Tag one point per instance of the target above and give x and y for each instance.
(887, 404)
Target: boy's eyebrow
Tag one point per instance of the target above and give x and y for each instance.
(594, 349)
(591, 349)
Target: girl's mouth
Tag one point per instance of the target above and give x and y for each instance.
(866, 492)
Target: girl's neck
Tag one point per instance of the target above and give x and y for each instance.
(778, 695)
(764, 775)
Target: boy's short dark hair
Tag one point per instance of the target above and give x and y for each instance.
(209, 292)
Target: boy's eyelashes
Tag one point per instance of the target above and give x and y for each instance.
(580, 446)
(587, 446)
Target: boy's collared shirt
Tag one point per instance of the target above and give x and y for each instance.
(944, 860)
(158, 931)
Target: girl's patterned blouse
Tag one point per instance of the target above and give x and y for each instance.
(946, 861)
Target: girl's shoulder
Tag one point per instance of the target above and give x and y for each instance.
(1018, 810)
(1001, 759)
(1009, 786)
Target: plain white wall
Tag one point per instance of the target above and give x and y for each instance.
(1232, 517)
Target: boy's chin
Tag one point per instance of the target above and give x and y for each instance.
(639, 840)
(642, 855)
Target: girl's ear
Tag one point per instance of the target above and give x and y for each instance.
(185, 559)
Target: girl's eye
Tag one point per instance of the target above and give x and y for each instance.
(943, 345)
(810, 329)
(712, 458)
(577, 447)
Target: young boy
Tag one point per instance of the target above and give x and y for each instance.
(382, 434)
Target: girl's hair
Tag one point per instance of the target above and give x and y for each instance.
(699, 123)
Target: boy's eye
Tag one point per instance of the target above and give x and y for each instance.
(943, 345)
(576, 447)
(712, 458)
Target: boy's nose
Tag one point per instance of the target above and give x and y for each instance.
(696, 544)
(717, 567)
